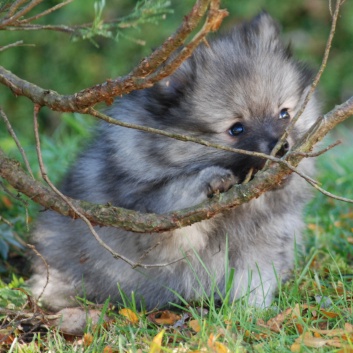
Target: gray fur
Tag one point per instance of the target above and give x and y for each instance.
(246, 76)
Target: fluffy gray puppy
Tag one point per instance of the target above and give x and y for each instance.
(241, 91)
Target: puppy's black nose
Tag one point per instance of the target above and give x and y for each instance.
(283, 150)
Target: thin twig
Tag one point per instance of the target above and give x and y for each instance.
(20, 13)
(2, 219)
(325, 192)
(46, 12)
(12, 10)
(37, 27)
(32, 247)
(16, 44)
(78, 213)
(187, 138)
(315, 82)
(17, 141)
(16, 197)
(318, 153)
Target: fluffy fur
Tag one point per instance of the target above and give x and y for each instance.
(236, 92)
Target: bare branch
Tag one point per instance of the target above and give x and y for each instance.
(325, 192)
(17, 141)
(32, 247)
(145, 75)
(149, 71)
(143, 223)
(47, 12)
(37, 27)
(319, 153)
(14, 7)
(20, 13)
(16, 44)
(315, 82)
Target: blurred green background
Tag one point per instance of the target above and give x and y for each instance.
(57, 62)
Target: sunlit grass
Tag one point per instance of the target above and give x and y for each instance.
(318, 296)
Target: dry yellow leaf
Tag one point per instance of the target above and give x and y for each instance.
(295, 347)
(329, 313)
(348, 328)
(130, 315)
(217, 347)
(164, 317)
(195, 325)
(275, 324)
(299, 327)
(315, 227)
(310, 341)
(87, 339)
(346, 349)
(156, 344)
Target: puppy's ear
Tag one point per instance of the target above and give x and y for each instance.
(265, 27)
(179, 82)
(262, 33)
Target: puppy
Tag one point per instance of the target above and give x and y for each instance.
(241, 91)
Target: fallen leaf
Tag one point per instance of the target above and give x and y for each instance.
(315, 227)
(195, 325)
(6, 201)
(6, 335)
(275, 323)
(156, 344)
(164, 317)
(309, 340)
(130, 315)
(299, 328)
(347, 215)
(346, 349)
(87, 339)
(348, 328)
(329, 313)
(217, 347)
(295, 347)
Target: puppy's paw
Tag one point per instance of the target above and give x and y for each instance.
(217, 180)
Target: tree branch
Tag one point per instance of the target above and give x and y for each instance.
(316, 79)
(47, 12)
(137, 222)
(16, 15)
(148, 72)
(17, 141)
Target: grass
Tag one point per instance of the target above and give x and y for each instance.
(318, 297)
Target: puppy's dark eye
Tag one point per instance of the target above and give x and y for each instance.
(236, 129)
(283, 114)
